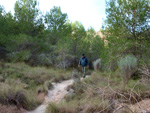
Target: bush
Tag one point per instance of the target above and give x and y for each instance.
(127, 67)
(97, 64)
(19, 56)
(17, 96)
(20, 84)
(45, 59)
(64, 61)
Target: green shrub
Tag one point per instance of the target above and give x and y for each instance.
(127, 66)
(52, 108)
(19, 56)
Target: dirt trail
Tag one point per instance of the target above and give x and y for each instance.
(54, 95)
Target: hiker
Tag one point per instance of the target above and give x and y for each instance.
(84, 63)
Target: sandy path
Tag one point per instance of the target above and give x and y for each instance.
(54, 95)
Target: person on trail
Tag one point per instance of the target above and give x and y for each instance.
(84, 63)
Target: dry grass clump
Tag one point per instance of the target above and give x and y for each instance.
(42, 89)
(15, 95)
(21, 84)
(10, 109)
(38, 75)
(102, 93)
(92, 105)
(33, 76)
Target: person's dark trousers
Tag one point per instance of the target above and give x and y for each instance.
(84, 71)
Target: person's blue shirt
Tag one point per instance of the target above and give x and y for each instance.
(83, 62)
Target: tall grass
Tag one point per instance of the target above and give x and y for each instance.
(92, 105)
(23, 82)
(101, 93)
(16, 95)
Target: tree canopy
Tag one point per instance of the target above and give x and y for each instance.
(128, 18)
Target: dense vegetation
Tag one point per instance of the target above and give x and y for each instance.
(125, 57)
(35, 39)
(103, 93)
(50, 41)
(26, 86)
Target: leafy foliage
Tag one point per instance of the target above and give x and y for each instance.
(126, 29)
(128, 66)
(128, 19)
(27, 16)
(55, 21)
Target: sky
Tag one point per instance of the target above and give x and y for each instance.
(90, 13)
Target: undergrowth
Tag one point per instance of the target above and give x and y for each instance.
(21, 84)
(101, 93)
